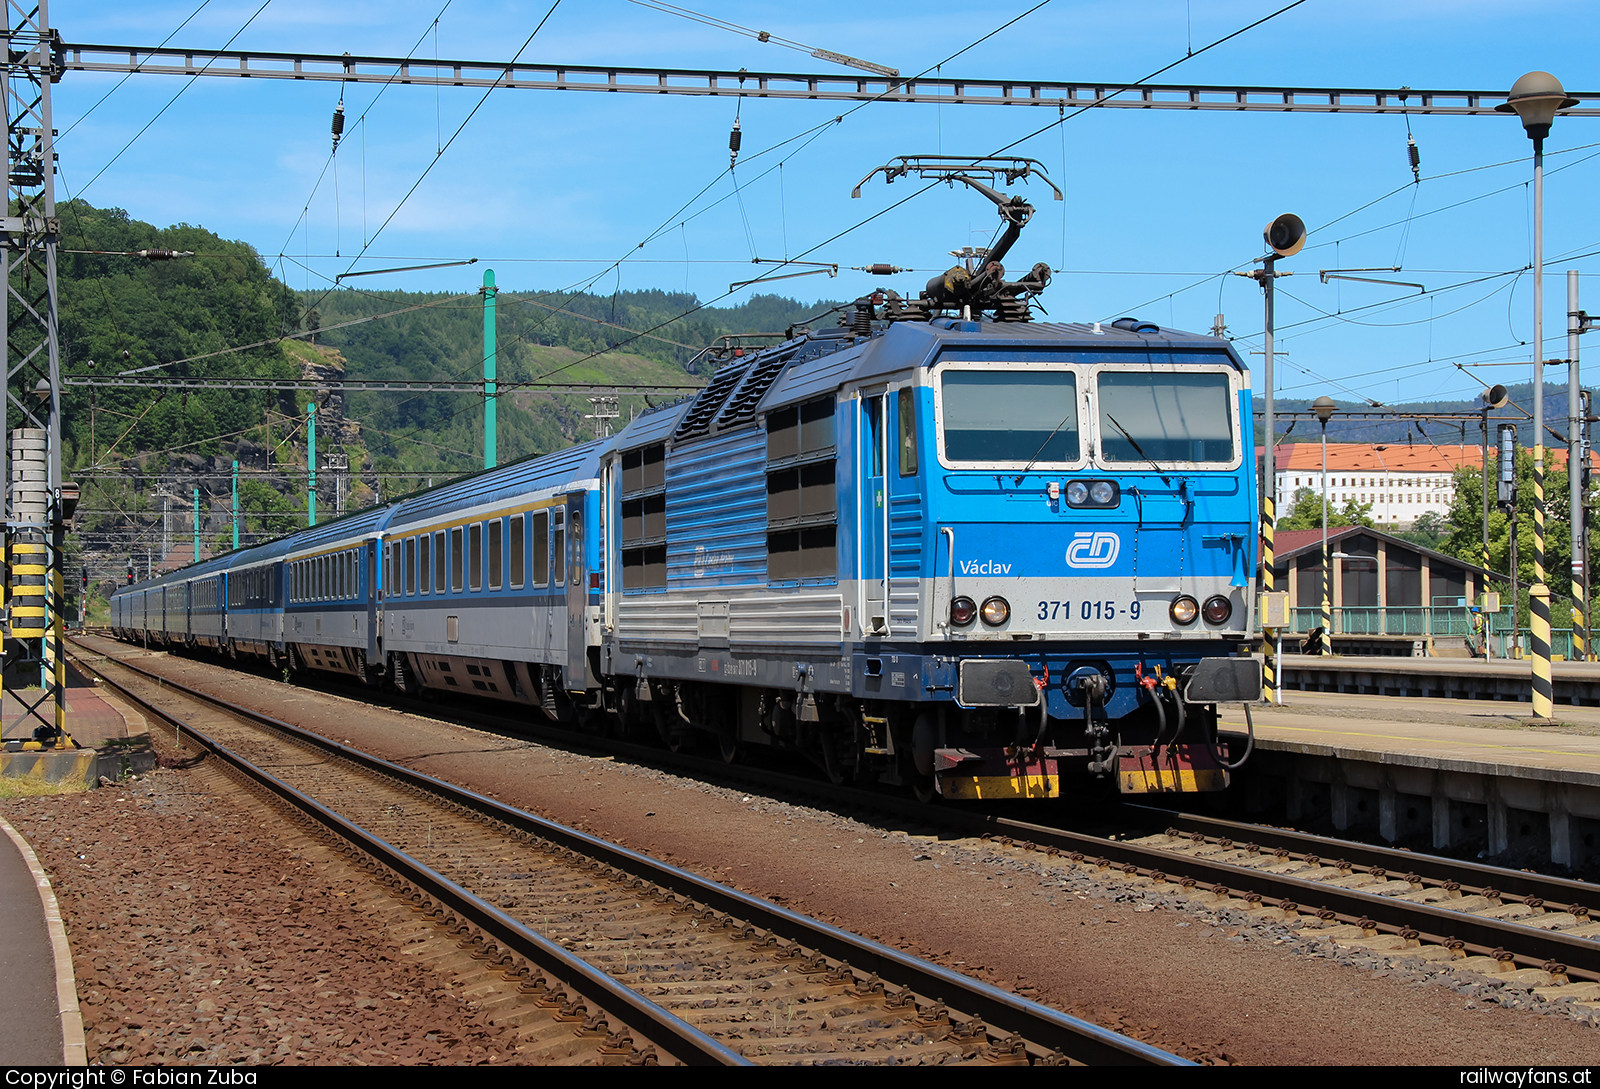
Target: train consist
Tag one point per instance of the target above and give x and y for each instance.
(939, 546)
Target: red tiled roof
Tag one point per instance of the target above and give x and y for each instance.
(1352, 457)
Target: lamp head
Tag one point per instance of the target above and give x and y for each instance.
(1324, 408)
(1535, 98)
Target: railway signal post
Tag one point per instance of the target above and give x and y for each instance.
(1284, 236)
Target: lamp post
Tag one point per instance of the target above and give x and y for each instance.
(1535, 98)
(1324, 407)
(1385, 485)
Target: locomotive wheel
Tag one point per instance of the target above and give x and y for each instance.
(728, 745)
(925, 787)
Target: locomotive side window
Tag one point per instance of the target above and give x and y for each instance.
(644, 518)
(456, 560)
(541, 547)
(1010, 417)
(496, 537)
(517, 548)
(1165, 416)
(802, 511)
(908, 432)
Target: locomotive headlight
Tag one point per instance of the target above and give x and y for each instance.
(1093, 493)
(963, 611)
(1184, 610)
(1217, 610)
(996, 611)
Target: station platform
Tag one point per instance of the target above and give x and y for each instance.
(1436, 772)
(112, 736)
(39, 1004)
(1509, 679)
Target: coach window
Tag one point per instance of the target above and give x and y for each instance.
(411, 565)
(496, 559)
(475, 556)
(517, 547)
(541, 547)
(424, 564)
(456, 560)
(558, 546)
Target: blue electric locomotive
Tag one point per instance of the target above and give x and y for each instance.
(940, 545)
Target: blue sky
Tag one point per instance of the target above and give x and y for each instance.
(551, 188)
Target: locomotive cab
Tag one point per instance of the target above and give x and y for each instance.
(1086, 556)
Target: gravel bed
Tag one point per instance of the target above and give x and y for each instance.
(1216, 986)
(204, 931)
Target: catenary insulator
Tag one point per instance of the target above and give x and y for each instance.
(1415, 156)
(733, 144)
(881, 269)
(338, 122)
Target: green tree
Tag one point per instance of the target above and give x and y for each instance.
(1305, 512)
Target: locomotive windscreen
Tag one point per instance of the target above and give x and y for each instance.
(1165, 416)
(1010, 416)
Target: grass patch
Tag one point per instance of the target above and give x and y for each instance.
(28, 786)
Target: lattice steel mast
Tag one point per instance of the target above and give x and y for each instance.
(38, 503)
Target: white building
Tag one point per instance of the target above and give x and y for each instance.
(1402, 482)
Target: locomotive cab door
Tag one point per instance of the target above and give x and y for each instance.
(872, 507)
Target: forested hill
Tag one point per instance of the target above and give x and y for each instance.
(219, 313)
(540, 335)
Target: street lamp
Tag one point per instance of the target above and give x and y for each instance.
(1535, 98)
(1324, 407)
(1379, 451)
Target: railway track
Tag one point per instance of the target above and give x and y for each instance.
(632, 949)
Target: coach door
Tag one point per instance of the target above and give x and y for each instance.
(373, 628)
(872, 508)
(577, 582)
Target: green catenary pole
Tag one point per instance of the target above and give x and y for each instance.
(236, 506)
(311, 462)
(197, 525)
(490, 445)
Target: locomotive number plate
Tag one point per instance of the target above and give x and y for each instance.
(1088, 610)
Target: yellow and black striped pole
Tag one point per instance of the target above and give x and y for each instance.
(1269, 667)
(1539, 598)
